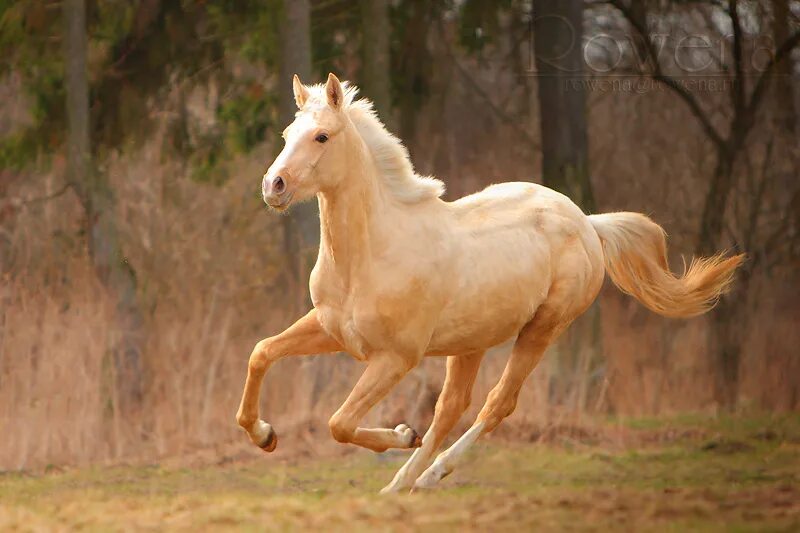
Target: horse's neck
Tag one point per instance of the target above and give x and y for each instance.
(353, 218)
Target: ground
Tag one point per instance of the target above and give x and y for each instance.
(690, 473)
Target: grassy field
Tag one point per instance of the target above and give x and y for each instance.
(740, 474)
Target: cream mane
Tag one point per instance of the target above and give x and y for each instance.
(391, 157)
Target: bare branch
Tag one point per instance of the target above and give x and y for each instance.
(738, 94)
(658, 75)
(781, 53)
(24, 202)
(477, 89)
(755, 203)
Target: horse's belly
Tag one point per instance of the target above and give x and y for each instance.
(488, 313)
(464, 338)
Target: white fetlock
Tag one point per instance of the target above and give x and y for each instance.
(400, 483)
(402, 480)
(391, 488)
(435, 473)
(408, 436)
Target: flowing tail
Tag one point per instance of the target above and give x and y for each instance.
(635, 252)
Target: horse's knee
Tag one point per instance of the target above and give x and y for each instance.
(342, 429)
(258, 357)
(454, 404)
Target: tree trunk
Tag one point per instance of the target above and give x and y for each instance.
(301, 225)
(79, 159)
(725, 343)
(413, 69)
(97, 198)
(558, 30)
(375, 75)
(715, 204)
(784, 95)
(729, 322)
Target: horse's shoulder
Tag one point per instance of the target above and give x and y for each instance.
(395, 317)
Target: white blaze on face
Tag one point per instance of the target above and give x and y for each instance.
(289, 176)
(298, 138)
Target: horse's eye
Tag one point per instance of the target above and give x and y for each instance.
(321, 138)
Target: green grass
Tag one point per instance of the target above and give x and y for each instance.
(686, 473)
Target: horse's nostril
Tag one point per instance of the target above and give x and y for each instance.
(278, 185)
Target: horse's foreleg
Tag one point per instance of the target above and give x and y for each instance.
(453, 401)
(304, 337)
(384, 371)
(502, 400)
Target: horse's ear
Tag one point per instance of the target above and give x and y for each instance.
(334, 92)
(300, 92)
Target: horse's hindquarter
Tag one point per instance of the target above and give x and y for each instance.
(510, 242)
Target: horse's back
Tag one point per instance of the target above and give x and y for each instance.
(529, 208)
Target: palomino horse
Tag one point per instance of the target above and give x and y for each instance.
(402, 274)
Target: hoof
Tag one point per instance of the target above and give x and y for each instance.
(270, 442)
(409, 435)
(264, 436)
(423, 486)
(417, 488)
(389, 489)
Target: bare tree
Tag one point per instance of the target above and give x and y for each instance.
(301, 225)
(414, 63)
(375, 73)
(745, 105)
(787, 114)
(97, 198)
(747, 95)
(558, 31)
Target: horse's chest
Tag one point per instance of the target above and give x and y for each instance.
(335, 306)
(363, 319)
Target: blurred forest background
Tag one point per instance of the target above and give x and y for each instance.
(139, 265)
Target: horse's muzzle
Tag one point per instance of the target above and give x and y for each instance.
(275, 191)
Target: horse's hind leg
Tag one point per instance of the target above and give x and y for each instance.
(527, 351)
(453, 401)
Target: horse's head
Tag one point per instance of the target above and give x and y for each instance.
(313, 152)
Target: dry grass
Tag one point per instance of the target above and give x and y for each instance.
(209, 282)
(646, 474)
